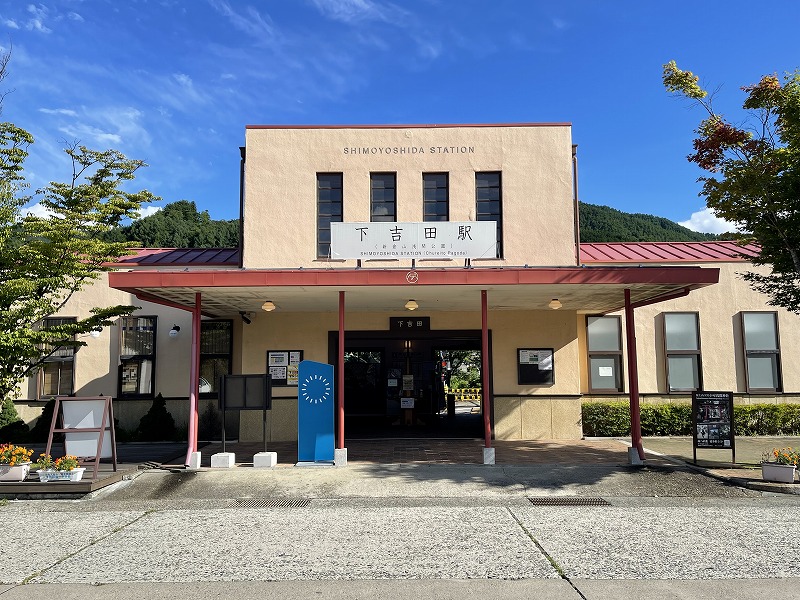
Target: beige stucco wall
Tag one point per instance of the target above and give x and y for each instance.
(718, 307)
(280, 209)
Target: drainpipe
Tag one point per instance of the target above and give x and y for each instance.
(242, 152)
(576, 205)
(633, 377)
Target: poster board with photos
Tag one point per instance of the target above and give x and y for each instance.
(535, 366)
(283, 366)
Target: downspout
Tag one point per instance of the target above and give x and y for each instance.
(633, 377)
(242, 152)
(576, 205)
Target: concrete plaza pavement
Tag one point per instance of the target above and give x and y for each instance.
(416, 530)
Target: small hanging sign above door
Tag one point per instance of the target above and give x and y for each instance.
(409, 323)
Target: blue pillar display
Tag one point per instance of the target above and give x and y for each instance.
(315, 442)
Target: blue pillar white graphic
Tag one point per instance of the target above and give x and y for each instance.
(315, 442)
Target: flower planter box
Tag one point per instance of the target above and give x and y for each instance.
(74, 475)
(15, 473)
(777, 473)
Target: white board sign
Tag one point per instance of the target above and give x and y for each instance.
(431, 240)
(85, 414)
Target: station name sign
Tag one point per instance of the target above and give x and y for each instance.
(406, 150)
(427, 240)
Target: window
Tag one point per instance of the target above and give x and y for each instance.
(329, 209)
(488, 203)
(383, 197)
(137, 356)
(435, 197)
(57, 373)
(604, 343)
(762, 352)
(216, 349)
(682, 345)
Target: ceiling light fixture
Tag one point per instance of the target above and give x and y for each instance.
(412, 305)
(268, 306)
(555, 304)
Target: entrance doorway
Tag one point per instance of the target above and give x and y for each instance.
(400, 385)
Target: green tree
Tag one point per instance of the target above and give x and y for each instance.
(755, 174)
(45, 260)
(180, 225)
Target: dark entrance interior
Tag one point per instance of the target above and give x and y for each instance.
(384, 370)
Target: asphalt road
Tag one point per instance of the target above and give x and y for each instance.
(402, 531)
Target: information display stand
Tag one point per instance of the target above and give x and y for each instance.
(245, 392)
(88, 427)
(712, 422)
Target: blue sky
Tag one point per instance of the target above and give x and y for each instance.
(174, 83)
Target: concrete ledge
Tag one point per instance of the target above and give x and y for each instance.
(223, 460)
(265, 460)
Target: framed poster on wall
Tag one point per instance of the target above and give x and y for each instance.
(283, 366)
(535, 366)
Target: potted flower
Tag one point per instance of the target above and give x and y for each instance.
(779, 465)
(65, 468)
(15, 462)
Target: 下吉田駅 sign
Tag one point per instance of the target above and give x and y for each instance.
(431, 239)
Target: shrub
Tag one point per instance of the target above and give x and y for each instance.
(210, 425)
(608, 419)
(158, 424)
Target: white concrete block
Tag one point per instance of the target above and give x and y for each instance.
(488, 456)
(195, 460)
(340, 457)
(633, 457)
(223, 460)
(265, 460)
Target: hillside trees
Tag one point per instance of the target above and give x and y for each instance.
(754, 172)
(179, 225)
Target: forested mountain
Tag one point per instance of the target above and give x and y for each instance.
(606, 224)
(180, 225)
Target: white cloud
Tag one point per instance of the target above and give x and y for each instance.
(148, 210)
(37, 210)
(84, 131)
(11, 23)
(350, 11)
(705, 221)
(251, 23)
(59, 111)
(73, 16)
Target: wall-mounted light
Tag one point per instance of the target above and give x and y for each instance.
(412, 305)
(245, 318)
(555, 304)
(268, 306)
(95, 333)
(174, 331)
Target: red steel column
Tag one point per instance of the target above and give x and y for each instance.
(340, 377)
(633, 376)
(194, 377)
(487, 423)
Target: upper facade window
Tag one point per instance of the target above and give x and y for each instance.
(57, 374)
(329, 209)
(682, 344)
(604, 343)
(489, 202)
(383, 196)
(435, 197)
(137, 355)
(762, 351)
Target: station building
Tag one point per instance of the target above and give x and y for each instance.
(381, 249)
